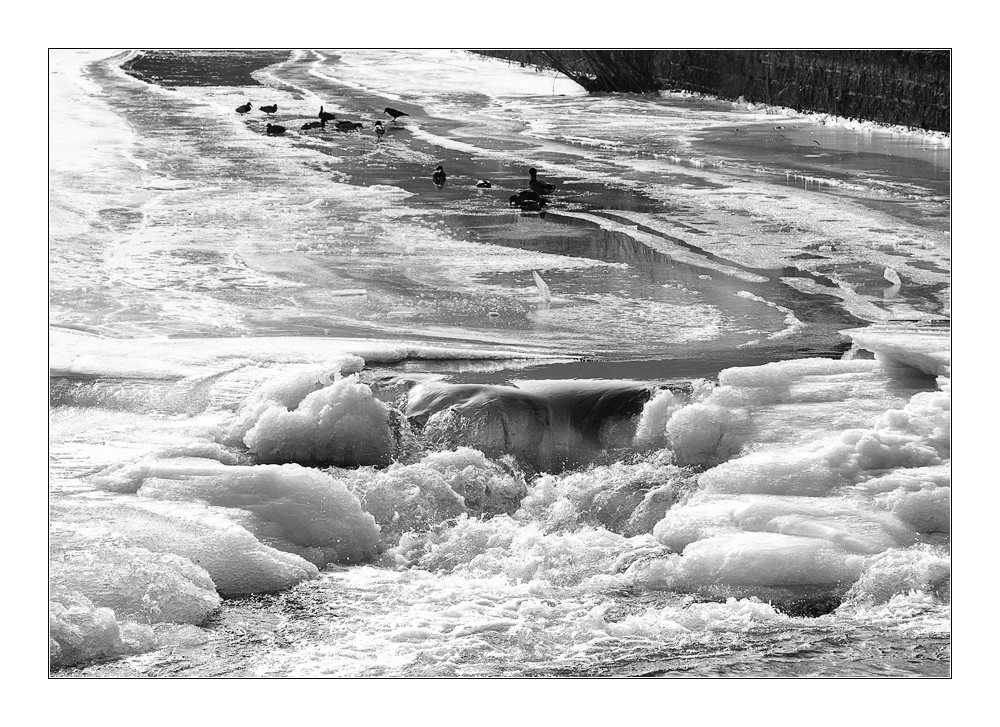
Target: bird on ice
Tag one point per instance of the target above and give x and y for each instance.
(536, 185)
(439, 177)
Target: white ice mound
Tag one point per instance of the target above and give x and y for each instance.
(920, 496)
(79, 631)
(417, 497)
(290, 507)
(237, 562)
(311, 417)
(928, 350)
(651, 431)
(855, 527)
(137, 584)
(768, 559)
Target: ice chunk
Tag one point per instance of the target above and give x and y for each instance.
(237, 562)
(307, 508)
(652, 430)
(80, 631)
(850, 525)
(138, 584)
(766, 559)
(706, 434)
(927, 350)
(339, 424)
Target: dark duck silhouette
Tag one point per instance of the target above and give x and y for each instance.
(536, 185)
(269, 109)
(527, 200)
(314, 125)
(439, 177)
(394, 113)
(379, 130)
(348, 125)
(274, 130)
(326, 115)
(244, 109)
(484, 184)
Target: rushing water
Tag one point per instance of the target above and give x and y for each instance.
(313, 415)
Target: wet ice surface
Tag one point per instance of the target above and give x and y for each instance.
(196, 261)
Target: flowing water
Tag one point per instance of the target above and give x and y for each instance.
(312, 414)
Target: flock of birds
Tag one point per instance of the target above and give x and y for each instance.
(531, 199)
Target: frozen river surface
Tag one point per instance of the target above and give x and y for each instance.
(314, 415)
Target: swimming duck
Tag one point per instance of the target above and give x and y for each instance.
(348, 125)
(394, 113)
(379, 130)
(526, 195)
(269, 109)
(274, 130)
(314, 125)
(536, 185)
(528, 205)
(439, 177)
(484, 184)
(326, 115)
(244, 109)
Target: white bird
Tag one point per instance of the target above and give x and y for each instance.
(543, 289)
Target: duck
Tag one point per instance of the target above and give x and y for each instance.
(527, 201)
(379, 130)
(326, 115)
(314, 125)
(484, 184)
(244, 109)
(526, 195)
(439, 177)
(394, 113)
(538, 186)
(528, 205)
(348, 125)
(274, 130)
(269, 109)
